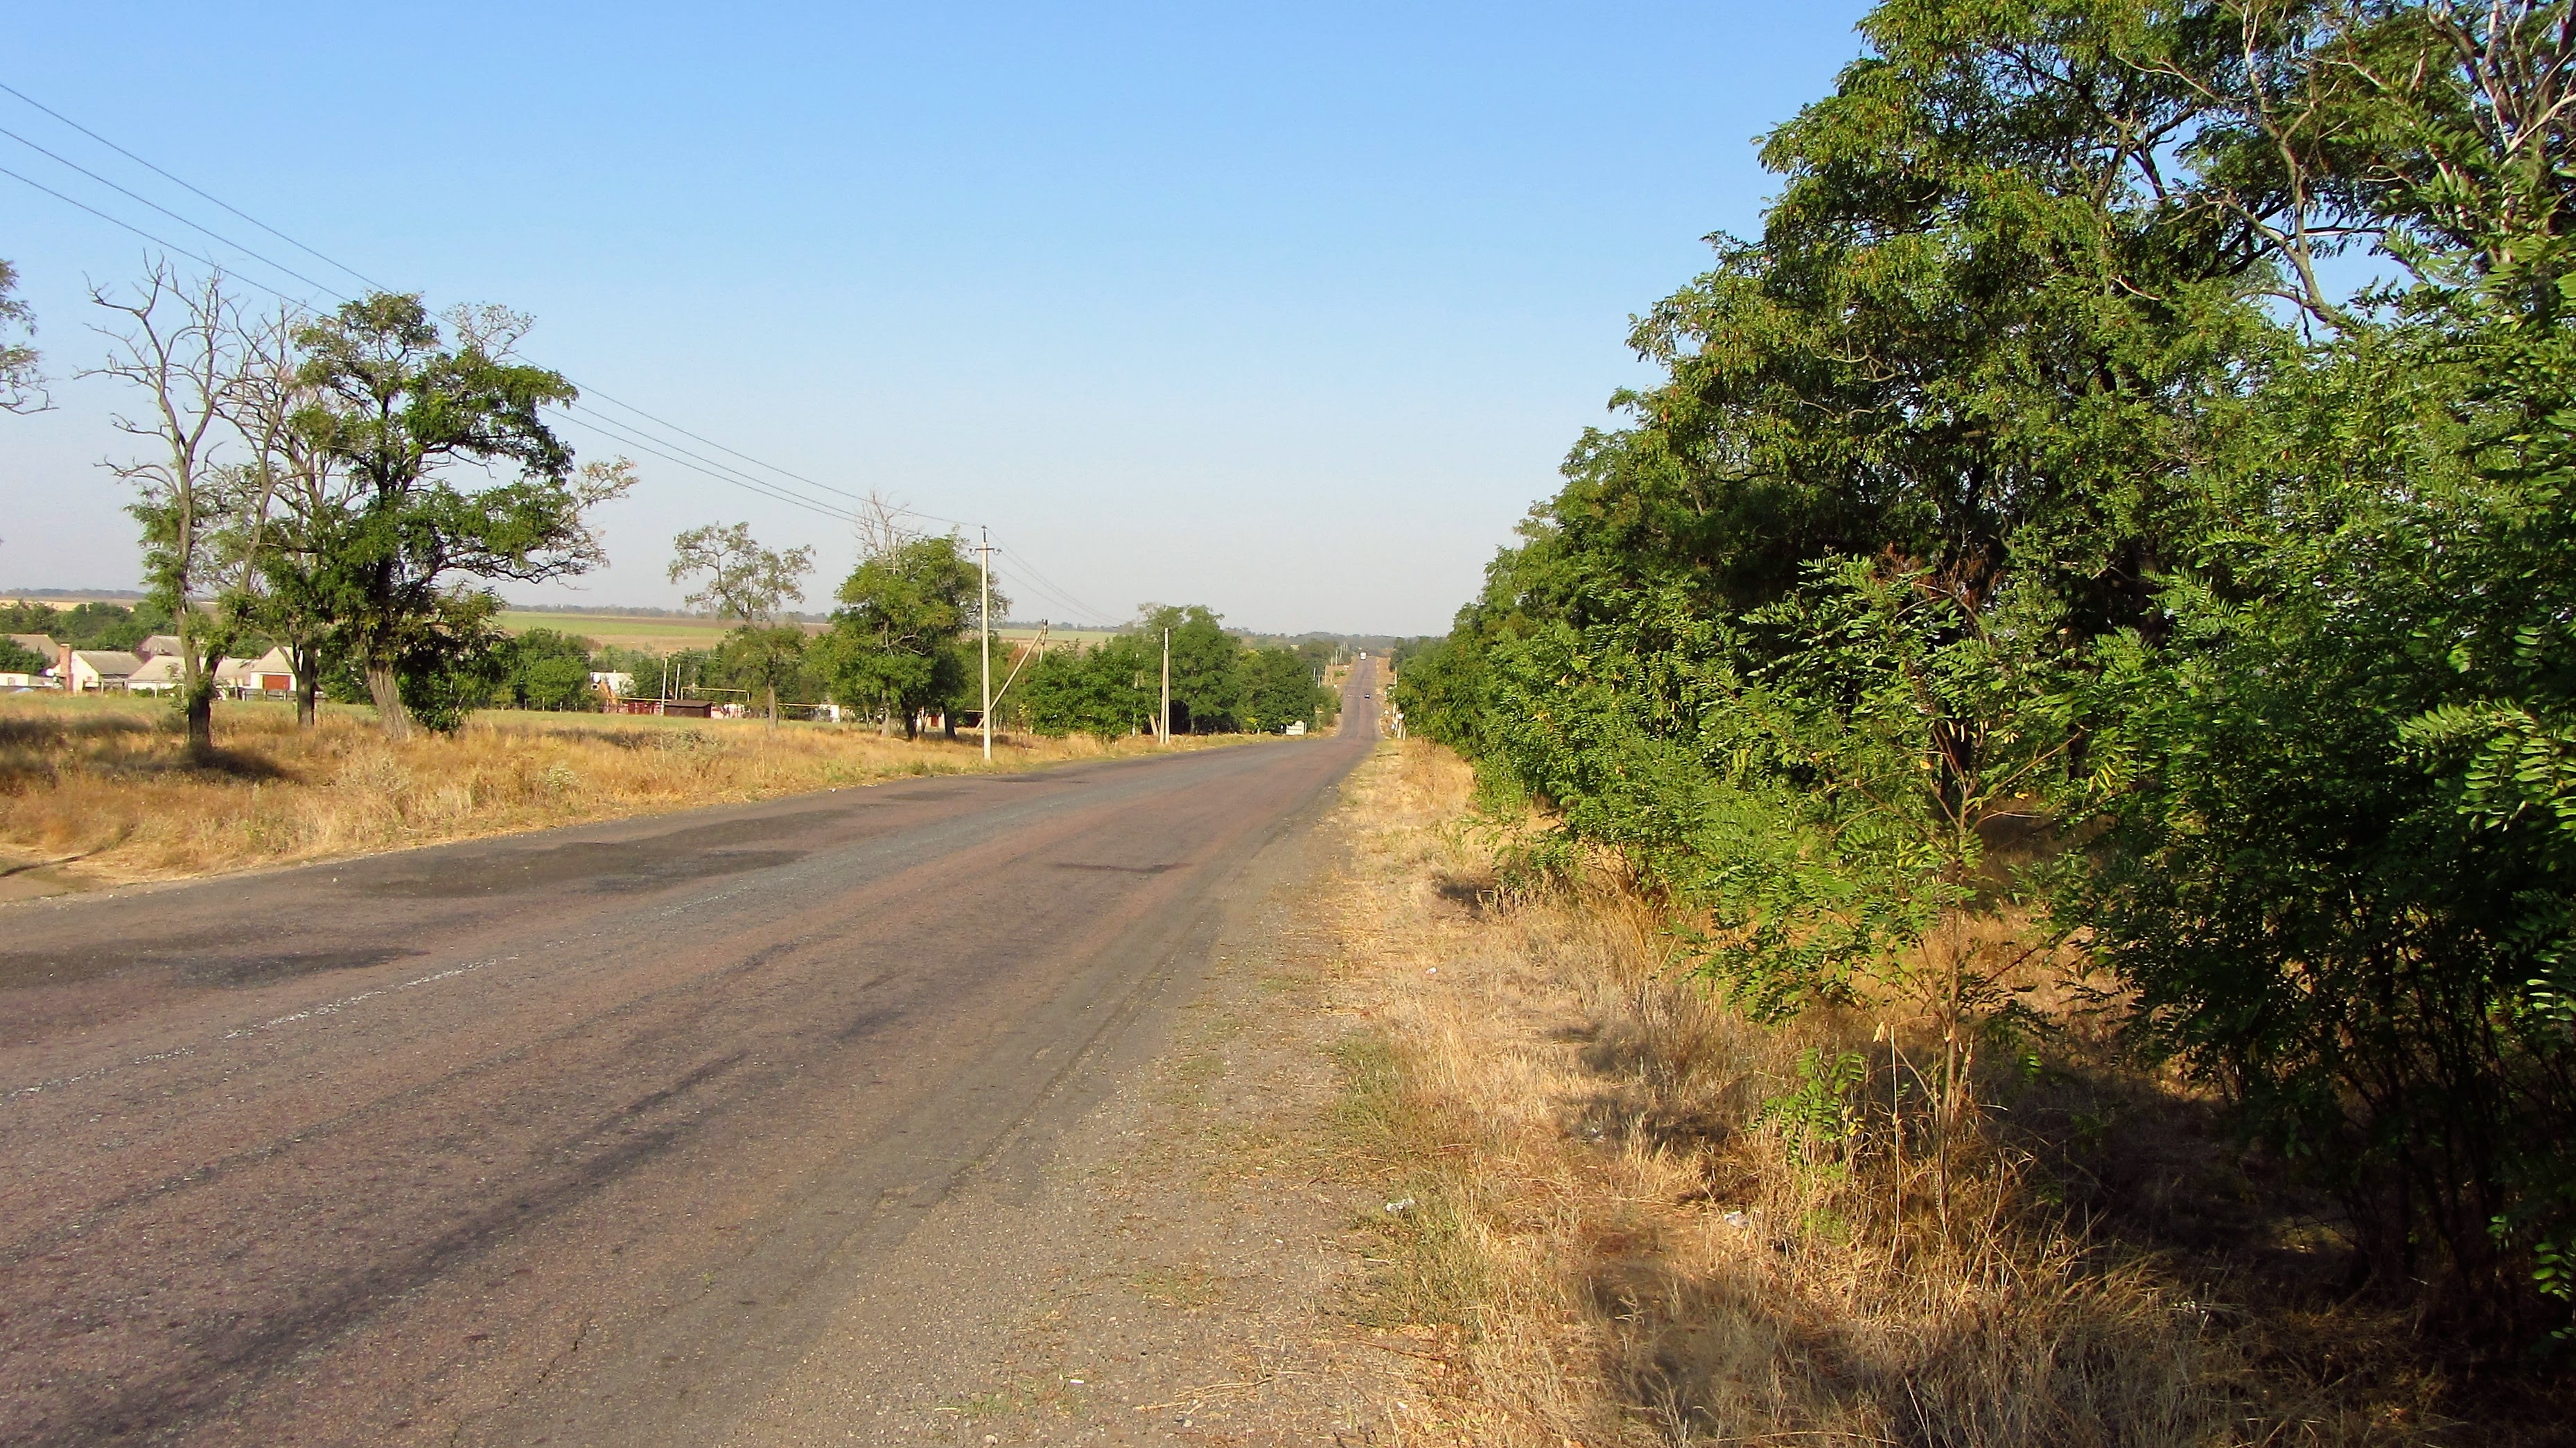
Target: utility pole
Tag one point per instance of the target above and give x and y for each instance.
(1167, 689)
(985, 616)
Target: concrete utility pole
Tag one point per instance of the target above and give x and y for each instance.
(985, 616)
(1166, 728)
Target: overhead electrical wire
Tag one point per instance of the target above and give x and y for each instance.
(648, 447)
(138, 231)
(629, 434)
(1055, 590)
(326, 290)
(166, 176)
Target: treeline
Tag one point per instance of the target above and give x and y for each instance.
(2043, 533)
(1219, 684)
(89, 625)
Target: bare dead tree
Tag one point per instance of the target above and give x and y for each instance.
(878, 523)
(176, 346)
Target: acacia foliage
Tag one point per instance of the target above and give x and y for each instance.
(2030, 473)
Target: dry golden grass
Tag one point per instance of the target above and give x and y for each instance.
(98, 791)
(1624, 1239)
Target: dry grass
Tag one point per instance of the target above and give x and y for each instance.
(101, 791)
(1635, 1224)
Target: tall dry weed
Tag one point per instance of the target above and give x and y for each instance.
(1640, 1219)
(104, 791)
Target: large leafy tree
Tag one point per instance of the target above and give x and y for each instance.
(547, 668)
(897, 642)
(1279, 689)
(1207, 666)
(406, 409)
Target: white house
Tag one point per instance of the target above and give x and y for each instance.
(271, 675)
(157, 674)
(93, 670)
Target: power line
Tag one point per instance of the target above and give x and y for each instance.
(1049, 585)
(704, 464)
(720, 447)
(648, 446)
(1077, 609)
(316, 252)
(219, 201)
(138, 231)
(174, 216)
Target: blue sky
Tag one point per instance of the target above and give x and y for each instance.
(1292, 311)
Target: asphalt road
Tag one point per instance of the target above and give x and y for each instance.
(571, 1137)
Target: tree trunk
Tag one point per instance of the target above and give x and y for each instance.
(386, 690)
(911, 725)
(773, 705)
(308, 662)
(199, 697)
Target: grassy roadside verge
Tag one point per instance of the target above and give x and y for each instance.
(1631, 1217)
(100, 791)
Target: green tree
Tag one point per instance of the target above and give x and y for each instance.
(896, 642)
(1279, 689)
(401, 406)
(547, 669)
(1207, 666)
(101, 625)
(1108, 692)
(748, 583)
(287, 501)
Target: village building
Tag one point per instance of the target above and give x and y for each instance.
(156, 674)
(86, 671)
(270, 676)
